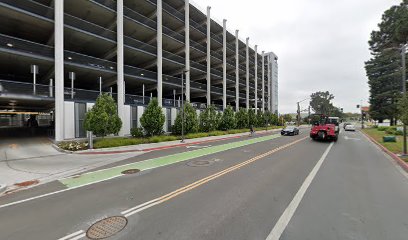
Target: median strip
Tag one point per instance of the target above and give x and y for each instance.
(105, 174)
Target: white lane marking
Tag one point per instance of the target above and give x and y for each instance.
(53, 193)
(78, 237)
(75, 234)
(287, 215)
(197, 146)
(73, 188)
(139, 206)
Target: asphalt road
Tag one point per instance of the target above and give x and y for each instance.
(285, 187)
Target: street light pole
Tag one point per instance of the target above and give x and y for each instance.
(404, 92)
(182, 105)
(298, 111)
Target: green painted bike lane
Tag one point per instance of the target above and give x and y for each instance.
(105, 174)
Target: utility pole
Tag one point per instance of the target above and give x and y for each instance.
(309, 115)
(404, 92)
(182, 107)
(298, 114)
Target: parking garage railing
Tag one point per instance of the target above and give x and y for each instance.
(46, 92)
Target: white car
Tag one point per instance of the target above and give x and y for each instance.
(350, 127)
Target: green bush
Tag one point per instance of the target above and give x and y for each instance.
(260, 119)
(382, 129)
(191, 121)
(228, 119)
(252, 121)
(137, 132)
(209, 119)
(242, 118)
(163, 138)
(103, 118)
(153, 119)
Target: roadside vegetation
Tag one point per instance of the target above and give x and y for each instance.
(103, 120)
(379, 132)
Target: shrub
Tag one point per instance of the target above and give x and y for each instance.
(73, 146)
(242, 118)
(274, 119)
(252, 121)
(190, 123)
(137, 132)
(209, 119)
(103, 118)
(153, 119)
(228, 119)
(260, 119)
(381, 128)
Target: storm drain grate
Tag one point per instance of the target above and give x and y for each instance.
(106, 227)
(131, 171)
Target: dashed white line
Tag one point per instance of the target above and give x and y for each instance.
(74, 236)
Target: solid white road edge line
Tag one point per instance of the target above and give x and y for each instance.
(287, 215)
(78, 237)
(69, 189)
(75, 234)
(53, 193)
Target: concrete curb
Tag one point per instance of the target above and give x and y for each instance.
(60, 149)
(394, 156)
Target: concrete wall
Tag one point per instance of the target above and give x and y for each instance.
(89, 106)
(69, 120)
(173, 115)
(128, 118)
(140, 111)
(165, 128)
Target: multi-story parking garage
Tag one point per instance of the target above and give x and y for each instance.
(57, 56)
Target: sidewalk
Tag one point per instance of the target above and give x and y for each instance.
(25, 164)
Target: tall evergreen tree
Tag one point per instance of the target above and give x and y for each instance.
(384, 68)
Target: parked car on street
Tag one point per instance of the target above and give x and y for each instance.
(350, 127)
(290, 131)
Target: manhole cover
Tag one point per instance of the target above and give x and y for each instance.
(199, 163)
(131, 171)
(106, 227)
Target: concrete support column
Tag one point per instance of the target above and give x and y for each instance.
(247, 73)
(59, 69)
(269, 85)
(187, 47)
(224, 64)
(256, 78)
(208, 56)
(120, 64)
(236, 71)
(159, 52)
(263, 81)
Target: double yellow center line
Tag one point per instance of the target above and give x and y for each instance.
(202, 181)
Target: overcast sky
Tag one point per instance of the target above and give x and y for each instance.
(321, 44)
